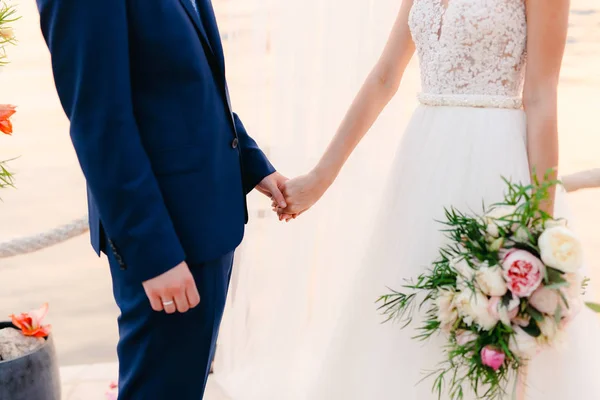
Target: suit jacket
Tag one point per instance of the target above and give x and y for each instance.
(167, 162)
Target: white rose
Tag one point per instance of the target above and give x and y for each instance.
(560, 249)
(491, 280)
(473, 307)
(522, 344)
(466, 273)
(447, 312)
(493, 219)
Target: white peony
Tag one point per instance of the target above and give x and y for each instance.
(447, 312)
(466, 273)
(473, 307)
(522, 344)
(493, 219)
(463, 304)
(560, 249)
(490, 280)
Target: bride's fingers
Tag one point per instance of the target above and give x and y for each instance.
(285, 217)
(282, 215)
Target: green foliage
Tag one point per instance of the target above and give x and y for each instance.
(6, 178)
(7, 16)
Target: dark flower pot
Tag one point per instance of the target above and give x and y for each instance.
(33, 376)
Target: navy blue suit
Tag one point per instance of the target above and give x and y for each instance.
(167, 164)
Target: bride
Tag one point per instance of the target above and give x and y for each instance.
(489, 74)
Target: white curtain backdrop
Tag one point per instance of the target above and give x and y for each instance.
(294, 68)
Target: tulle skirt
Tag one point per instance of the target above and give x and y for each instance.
(448, 156)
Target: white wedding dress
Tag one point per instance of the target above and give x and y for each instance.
(468, 131)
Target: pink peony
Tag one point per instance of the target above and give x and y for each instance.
(492, 357)
(544, 300)
(523, 272)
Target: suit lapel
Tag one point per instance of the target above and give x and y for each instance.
(211, 38)
(189, 8)
(207, 11)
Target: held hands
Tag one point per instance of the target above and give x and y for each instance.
(271, 186)
(300, 194)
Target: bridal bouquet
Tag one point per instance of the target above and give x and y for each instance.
(501, 291)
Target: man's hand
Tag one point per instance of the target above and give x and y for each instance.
(175, 290)
(271, 187)
(301, 194)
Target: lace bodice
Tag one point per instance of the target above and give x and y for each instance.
(471, 52)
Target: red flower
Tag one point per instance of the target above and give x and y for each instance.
(6, 111)
(31, 323)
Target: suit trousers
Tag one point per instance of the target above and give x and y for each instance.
(168, 356)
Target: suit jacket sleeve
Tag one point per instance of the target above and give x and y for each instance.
(255, 164)
(88, 42)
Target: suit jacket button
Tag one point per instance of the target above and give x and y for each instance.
(234, 143)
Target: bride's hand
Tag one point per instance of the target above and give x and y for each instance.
(300, 194)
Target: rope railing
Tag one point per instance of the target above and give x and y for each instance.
(29, 244)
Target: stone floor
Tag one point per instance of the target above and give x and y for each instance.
(91, 382)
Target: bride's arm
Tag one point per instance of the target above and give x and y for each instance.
(377, 90)
(547, 22)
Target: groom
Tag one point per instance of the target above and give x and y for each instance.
(168, 166)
